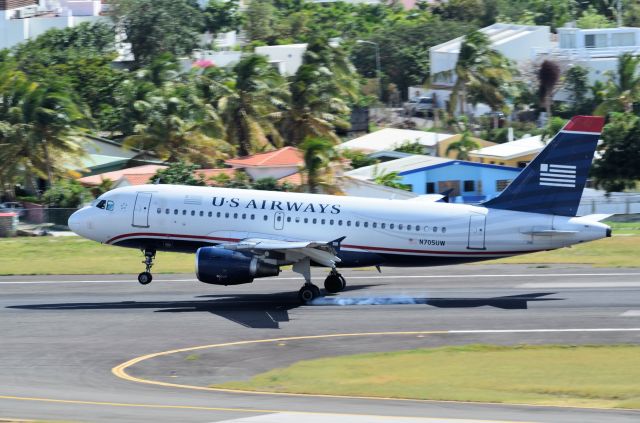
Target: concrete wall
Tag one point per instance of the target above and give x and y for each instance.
(270, 172)
(288, 58)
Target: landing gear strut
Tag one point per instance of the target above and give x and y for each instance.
(308, 291)
(334, 282)
(145, 277)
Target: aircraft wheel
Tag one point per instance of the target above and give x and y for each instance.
(334, 283)
(307, 293)
(145, 278)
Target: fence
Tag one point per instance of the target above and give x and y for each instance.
(627, 204)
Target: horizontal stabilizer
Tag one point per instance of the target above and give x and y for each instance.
(596, 217)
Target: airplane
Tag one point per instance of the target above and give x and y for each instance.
(241, 235)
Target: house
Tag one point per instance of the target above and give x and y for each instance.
(138, 175)
(388, 139)
(469, 182)
(286, 58)
(356, 187)
(275, 164)
(21, 20)
(515, 42)
(104, 155)
(516, 153)
(597, 50)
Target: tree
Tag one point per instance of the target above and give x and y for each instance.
(259, 21)
(622, 88)
(251, 103)
(320, 91)
(358, 159)
(591, 18)
(548, 77)
(318, 155)
(66, 194)
(391, 179)
(480, 74)
(463, 146)
(576, 82)
(618, 168)
(157, 26)
(221, 16)
(178, 173)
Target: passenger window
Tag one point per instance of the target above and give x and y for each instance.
(244, 216)
(297, 219)
(265, 217)
(110, 205)
(383, 225)
(226, 215)
(408, 227)
(166, 211)
(314, 221)
(391, 225)
(331, 222)
(193, 212)
(357, 223)
(417, 228)
(444, 229)
(253, 217)
(339, 222)
(175, 211)
(400, 226)
(435, 229)
(348, 223)
(235, 215)
(322, 221)
(159, 210)
(374, 225)
(210, 214)
(366, 224)
(201, 213)
(184, 212)
(306, 220)
(218, 215)
(288, 218)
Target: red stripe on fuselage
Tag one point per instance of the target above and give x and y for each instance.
(358, 247)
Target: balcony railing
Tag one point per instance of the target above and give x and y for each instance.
(585, 53)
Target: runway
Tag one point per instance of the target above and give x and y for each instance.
(64, 340)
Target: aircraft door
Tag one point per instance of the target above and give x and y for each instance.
(477, 226)
(278, 221)
(141, 210)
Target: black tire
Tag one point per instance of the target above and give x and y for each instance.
(343, 282)
(145, 278)
(307, 294)
(333, 284)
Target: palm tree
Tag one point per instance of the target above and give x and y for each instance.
(319, 153)
(548, 77)
(481, 74)
(463, 146)
(251, 104)
(622, 89)
(177, 127)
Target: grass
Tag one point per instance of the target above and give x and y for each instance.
(77, 256)
(582, 376)
(618, 251)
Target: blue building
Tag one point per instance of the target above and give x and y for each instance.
(469, 182)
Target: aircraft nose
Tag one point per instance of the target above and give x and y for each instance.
(77, 222)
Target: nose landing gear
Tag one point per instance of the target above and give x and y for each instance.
(146, 277)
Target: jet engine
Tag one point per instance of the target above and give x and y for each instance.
(219, 266)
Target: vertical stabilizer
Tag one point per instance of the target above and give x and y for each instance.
(553, 182)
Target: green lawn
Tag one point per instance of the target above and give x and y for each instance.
(78, 256)
(583, 376)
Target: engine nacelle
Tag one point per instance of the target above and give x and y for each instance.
(219, 266)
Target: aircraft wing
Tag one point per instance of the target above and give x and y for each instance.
(322, 252)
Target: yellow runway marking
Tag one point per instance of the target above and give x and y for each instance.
(120, 370)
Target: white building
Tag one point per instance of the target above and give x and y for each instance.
(286, 58)
(389, 139)
(21, 20)
(597, 50)
(515, 42)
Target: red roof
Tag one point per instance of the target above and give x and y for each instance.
(140, 179)
(10, 214)
(295, 179)
(287, 156)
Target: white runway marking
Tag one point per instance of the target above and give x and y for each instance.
(545, 330)
(631, 313)
(379, 277)
(338, 418)
(553, 285)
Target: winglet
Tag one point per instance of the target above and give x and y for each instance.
(335, 244)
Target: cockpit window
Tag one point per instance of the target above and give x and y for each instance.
(101, 204)
(110, 205)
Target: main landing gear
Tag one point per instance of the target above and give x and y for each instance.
(334, 282)
(145, 277)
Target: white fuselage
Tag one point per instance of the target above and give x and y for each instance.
(397, 232)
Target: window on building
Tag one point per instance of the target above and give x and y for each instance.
(622, 39)
(431, 187)
(501, 184)
(595, 40)
(469, 186)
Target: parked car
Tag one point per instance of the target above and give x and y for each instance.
(419, 106)
(11, 206)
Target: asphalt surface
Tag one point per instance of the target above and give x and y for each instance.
(60, 338)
